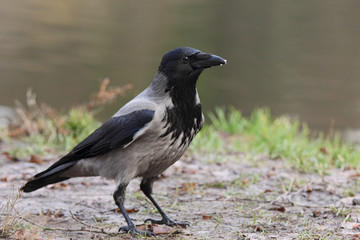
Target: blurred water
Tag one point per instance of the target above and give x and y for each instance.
(296, 57)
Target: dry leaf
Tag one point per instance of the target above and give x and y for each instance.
(188, 170)
(85, 184)
(280, 209)
(324, 150)
(188, 186)
(206, 217)
(350, 225)
(16, 132)
(356, 235)
(7, 155)
(36, 159)
(128, 210)
(157, 229)
(163, 229)
(59, 185)
(355, 175)
(131, 210)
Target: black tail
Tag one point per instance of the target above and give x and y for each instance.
(42, 182)
(49, 176)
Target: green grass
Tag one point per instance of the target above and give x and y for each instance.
(229, 131)
(277, 137)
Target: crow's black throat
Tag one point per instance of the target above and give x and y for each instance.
(186, 114)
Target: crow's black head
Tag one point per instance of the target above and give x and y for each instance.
(187, 63)
(182, 67)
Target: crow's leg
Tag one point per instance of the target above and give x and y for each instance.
(119, 197)
(146, 186)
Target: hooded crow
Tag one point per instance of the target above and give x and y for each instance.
(145, 137)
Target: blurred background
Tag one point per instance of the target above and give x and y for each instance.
(296, 57)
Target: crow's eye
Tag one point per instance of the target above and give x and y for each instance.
(185, 59)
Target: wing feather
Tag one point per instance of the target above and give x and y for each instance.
(116, 132)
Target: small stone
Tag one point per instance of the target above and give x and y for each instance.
(356, 201)
(316, 213)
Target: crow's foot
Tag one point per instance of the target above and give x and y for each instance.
(168, 222)
(134, 231)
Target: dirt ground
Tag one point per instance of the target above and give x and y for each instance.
(226, 196)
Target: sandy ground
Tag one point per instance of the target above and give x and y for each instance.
(222, 197)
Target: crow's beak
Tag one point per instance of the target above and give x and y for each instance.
(206, 60)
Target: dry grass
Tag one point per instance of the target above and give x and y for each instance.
(9, 217)
(106, 94)
(33, 118)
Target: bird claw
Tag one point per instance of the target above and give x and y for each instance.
(168, 222)
(134, 231)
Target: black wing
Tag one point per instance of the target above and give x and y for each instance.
(114, 133)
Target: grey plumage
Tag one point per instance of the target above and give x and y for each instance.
(145, 137)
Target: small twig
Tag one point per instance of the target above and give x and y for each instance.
(67, 230)
(83, 223)
(287, 193)
(251, 200)
(47, 228)
(305, 205)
